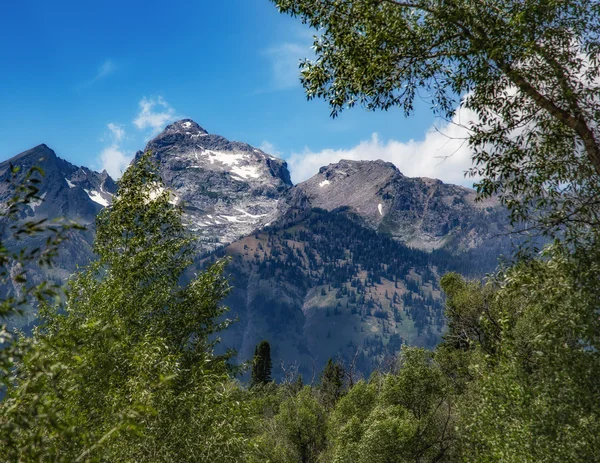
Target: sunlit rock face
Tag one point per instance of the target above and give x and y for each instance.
(421, 212)
(227, 189)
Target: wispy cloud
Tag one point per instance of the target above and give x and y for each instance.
(106, 69)
(118, 132)
(443, 153)
(269, 148)
(285, 61)
(154, 114)
(114, 159)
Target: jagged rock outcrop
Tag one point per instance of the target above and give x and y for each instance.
(228, 189)
(76, 193)
(65, 191)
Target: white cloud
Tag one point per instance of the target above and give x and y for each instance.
(154, 113)
(285, 61)
(443, 153)
(114, 160)
(269, 148)
(117, 131)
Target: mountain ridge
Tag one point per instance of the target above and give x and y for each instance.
(347, 261)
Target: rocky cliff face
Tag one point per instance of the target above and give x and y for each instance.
(76, 193)
(228, 189)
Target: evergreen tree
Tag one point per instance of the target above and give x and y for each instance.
(332, 383)
(261, 365)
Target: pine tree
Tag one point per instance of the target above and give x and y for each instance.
(261, 365)
(332, 383)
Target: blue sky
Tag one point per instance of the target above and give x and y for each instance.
(95, 81)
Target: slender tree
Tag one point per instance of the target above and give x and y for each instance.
(332, 383)
(261, 364)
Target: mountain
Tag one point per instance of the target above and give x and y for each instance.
(67, 191)
(77, 193)
(351, 267)
(420, 212)
(344, 264)
(228, 189)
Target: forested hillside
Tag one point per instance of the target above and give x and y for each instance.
(321, 285)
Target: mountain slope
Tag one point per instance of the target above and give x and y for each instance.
(324, 284)
(420, 212)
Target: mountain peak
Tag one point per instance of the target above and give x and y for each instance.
(184, 126)
(34, 156)
(351, 167)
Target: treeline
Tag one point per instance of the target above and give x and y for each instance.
(513, 380)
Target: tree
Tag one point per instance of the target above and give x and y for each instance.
(400, 417)
(296, 434)
(525, 364)
(261, 364)
(527, 73)
(22, 430)
(137, 379)
(332, 383)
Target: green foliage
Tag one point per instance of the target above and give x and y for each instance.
(261, 364)
(296, 433)
(531, 382)
(129, 373)
(396, 417)
(14, 348)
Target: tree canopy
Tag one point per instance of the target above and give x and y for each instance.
(526, 70)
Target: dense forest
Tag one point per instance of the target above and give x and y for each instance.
(123, 365)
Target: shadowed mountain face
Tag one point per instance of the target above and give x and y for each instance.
(66, 191)
(77, 193)
(320, 284)
(346, 263)
(227, 189)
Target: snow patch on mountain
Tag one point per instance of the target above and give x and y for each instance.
(96, 197)
(38, 202)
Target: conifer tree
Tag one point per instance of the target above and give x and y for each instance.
(332, 383)
(261, 365)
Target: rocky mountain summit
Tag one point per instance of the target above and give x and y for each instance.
(228, 189)
(76, 193)
(420, 212)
